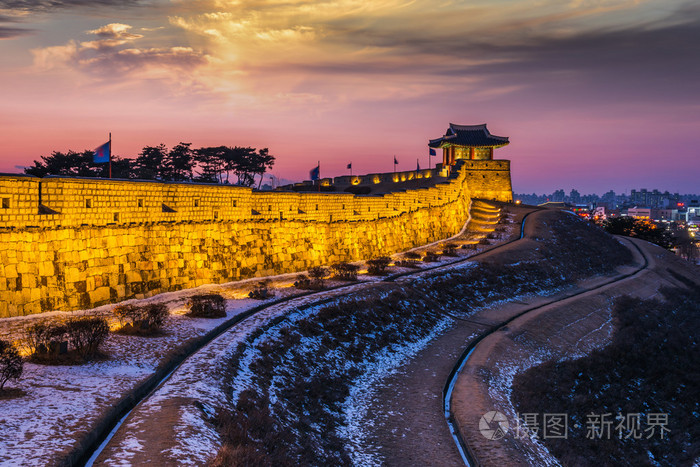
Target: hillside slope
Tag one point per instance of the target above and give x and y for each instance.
(292, 382)
(575, 328)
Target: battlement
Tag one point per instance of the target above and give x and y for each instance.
(71, 202)
(70, 243)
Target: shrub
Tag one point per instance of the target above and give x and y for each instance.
(127, 314)
(318, 274)
(155, 316)
(35, 337)
(491, 235)
(484, 241)
(86, 335)
(377, 266)
(46, 339)
(207, 306)
(144, 320)
(431, 257)
(412, 255)
(469, 246)
(11, 364)
(407, 263)
(450, 250)
(302, 282)
(345, 271)
(261, 291)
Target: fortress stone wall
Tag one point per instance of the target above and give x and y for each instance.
(71, 243)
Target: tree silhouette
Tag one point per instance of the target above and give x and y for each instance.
(210, 162)
(181, 163)
(149, 165)
(78, 164)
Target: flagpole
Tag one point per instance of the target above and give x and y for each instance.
(394, 161)
(110, 154)
(319, 176)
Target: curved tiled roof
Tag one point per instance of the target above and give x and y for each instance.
(468, 135)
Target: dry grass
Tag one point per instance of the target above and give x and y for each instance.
(651, 366)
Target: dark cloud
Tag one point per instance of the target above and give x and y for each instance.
(647, 61)
(46, 5)
(9, 32)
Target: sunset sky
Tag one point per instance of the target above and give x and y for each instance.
(594, 95)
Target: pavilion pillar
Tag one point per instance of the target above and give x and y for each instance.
(471, 153)
(452, 155)
(444, 156)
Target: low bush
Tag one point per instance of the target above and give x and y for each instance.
(431, 257)
(318, 275)
(492, 235)
(377, 266)
(345, 271)
(450, 250)
(469, 246)
(484, 241)
(207, 306)
(155, 316)
(126, 314)
(143, 320)
(261, 291)
(45, 339)
(407, 263)
(86, 335)
(412, 255)
(11, 364)
(303, 282)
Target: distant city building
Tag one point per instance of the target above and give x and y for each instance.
(601, 212)
(665, 214)
(653, 198)
(639, 213)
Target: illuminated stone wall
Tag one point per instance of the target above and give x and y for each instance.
(489, 179)
(102, 241)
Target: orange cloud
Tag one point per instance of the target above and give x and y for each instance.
(108, 58)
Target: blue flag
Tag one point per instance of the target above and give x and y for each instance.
(432, 152)
(417, 166)
(315, 173)
(102, 154)
(395, 161)
(350, 166)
